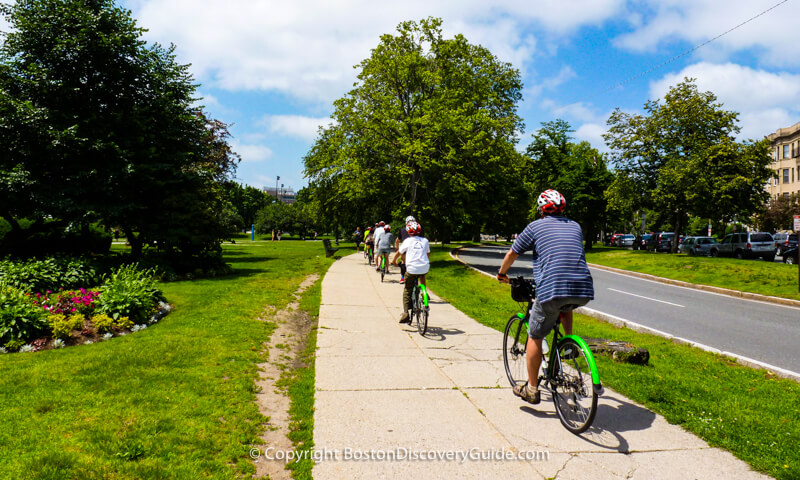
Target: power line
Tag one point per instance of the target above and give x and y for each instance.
(673, 59)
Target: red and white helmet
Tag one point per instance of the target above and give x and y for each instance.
(551, 202)
(413, 228)
(387, 228)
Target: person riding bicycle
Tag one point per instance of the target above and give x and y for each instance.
(401, 237)
(384, 245)
(369, 240)
(563, 281)
(380, 229)
(416, 253)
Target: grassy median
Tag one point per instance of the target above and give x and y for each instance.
(749, 412)
(176, 400)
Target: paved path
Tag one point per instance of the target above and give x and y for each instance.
(383, 392)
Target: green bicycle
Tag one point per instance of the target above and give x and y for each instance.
(569, 372)
(420, 308)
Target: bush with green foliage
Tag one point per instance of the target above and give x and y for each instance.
(105, 324)
(63, 325)
(48, 274)
(20, 319)
(129, 292)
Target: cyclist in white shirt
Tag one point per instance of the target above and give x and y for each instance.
(416, 253)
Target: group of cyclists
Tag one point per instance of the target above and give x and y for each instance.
(412, 254)
(561, 275)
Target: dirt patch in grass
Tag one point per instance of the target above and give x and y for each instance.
(284, 351)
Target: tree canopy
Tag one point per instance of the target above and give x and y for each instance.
(95, 124)
(429, 129)
(681, 158)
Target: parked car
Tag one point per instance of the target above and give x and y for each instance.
(615, 239)
(626, 241)
(660, 242)
(790, 255)
(640, 243)
(746, 245)
(697, 245)
(784, 241)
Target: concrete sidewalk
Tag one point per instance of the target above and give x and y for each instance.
(392, 404)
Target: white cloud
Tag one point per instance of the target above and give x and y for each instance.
(252, 153)
(766, 101)
(297, 126)
(697, 21)
(592, 133)
(307, 48)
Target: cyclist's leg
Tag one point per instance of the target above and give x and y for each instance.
(566, 320)
(542, 319)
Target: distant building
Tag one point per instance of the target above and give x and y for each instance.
(286, 195)
(785, 161)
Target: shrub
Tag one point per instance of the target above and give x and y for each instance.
(68, 302)
(14, 345)
(20, 318)
(62, 325)
(129, 292)
(48, 274)
(105, 324)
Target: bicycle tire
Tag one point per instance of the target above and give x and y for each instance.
(515, 340)
(422, 314)
(573, 394)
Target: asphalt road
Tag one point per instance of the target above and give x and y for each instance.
(761, 331)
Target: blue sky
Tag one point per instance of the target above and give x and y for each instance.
(272, 69)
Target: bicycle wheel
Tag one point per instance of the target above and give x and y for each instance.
(421, 312)
(573, 394)
(515, 339)
(383, 271)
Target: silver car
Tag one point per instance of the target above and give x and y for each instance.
(746, 245)
(697, 245)
(626, 241)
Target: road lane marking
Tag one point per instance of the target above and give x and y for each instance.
(646, 298)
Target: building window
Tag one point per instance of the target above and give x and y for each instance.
(786, 151)
(785, 175)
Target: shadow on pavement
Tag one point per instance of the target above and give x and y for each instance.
(608, 424)
(439, 334)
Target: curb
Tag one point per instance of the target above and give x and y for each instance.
(621, 322)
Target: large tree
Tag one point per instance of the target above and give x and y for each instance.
(98, 125)
(681, 157)
(429, 130)
(576, 170)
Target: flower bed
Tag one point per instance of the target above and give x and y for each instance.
(127, 301)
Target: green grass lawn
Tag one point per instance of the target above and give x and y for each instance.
(746, 411)
(174, 401)
(755, 276)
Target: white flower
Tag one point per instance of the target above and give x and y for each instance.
(137, 328)
(88, 342)
(26, 348)
(58, 343)
(3, 350)
(108, 336)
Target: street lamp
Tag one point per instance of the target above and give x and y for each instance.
(281, 199)
(276, 186)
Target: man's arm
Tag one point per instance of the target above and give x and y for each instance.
(509, 259)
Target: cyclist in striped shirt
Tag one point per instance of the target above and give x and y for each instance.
(563, 281)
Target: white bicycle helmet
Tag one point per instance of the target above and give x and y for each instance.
(551, 202)
(410, 219)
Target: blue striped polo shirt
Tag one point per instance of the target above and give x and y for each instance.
(559, 263)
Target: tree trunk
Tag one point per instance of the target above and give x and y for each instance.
(677, 233)
(135, 241)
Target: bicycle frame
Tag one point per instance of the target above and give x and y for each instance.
(554, 359)
(424, 293)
